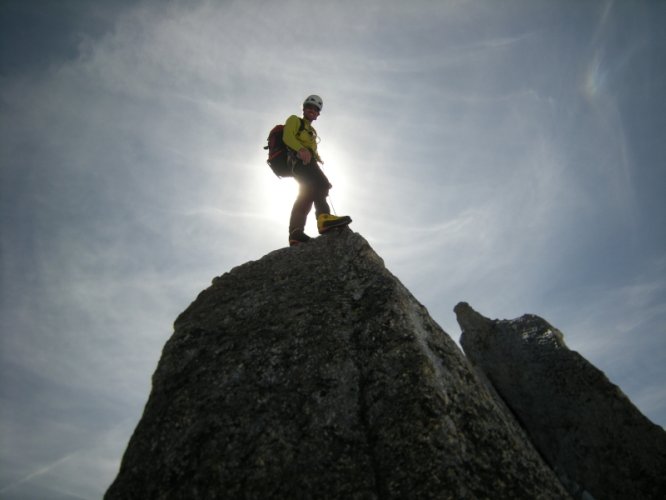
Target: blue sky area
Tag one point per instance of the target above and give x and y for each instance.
(508, 154)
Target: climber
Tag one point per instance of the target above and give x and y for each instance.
(301, 139)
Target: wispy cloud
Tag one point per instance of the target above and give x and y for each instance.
(34, 474)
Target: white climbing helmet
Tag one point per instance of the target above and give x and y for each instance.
(314, 100)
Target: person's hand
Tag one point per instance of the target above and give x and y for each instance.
(305, 155)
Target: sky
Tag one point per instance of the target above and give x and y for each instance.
(508, 154)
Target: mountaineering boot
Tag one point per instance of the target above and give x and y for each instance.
(297, 237)
(328, 221)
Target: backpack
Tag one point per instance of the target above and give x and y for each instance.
(277, 151)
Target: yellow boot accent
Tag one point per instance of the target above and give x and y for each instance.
(328, 221)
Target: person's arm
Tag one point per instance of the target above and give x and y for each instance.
(290, 132)
(290, 138)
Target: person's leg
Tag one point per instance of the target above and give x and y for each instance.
(304, 200)
(320, 187)
(314, 187)
(301, 208)
(321, 205)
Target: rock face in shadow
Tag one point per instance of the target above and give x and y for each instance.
(584, 426)
(314, 373)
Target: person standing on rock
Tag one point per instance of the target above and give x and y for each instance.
(301, 139)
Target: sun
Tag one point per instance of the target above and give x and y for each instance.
(275, 196)
(283, 192)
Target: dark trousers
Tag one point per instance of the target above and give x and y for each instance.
(313, 190)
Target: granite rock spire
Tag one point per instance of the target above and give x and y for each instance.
(314, 373)
(597, 441)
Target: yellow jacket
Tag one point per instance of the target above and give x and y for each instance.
(295, 138)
